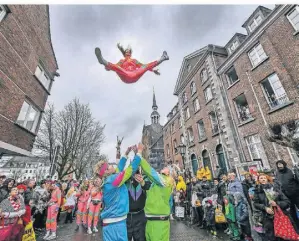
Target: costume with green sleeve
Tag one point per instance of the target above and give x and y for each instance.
(158, 206)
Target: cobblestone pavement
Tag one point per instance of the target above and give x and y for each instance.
(179, 232)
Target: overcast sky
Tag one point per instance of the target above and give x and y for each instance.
(149, 29)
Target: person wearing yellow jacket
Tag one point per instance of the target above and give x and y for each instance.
(181, 184)
(208, 173)
(200, 173)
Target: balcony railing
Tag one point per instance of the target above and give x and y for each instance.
(274, 101)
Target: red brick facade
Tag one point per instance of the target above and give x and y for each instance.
(280, 42)
(25, 41)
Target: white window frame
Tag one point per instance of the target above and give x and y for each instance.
(180, 120)
(190, 135)
(293, 156)
(261, 153)
(199, 130)
(296, 8)
(3, 13)
(254, 50)
(204, 75)
(214, 123)
(36, 119)
(182, 139)
(228, 78)
(234, 45)
(41, 75)
(274, 90)
(193, 88)
(187, 115)
(184, 97)
(206, 94)
(255, 22)
(196, 105)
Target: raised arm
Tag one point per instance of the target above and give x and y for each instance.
(123, 176)
(122, 162)
(151, 173)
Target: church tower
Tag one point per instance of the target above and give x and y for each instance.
(155, 116)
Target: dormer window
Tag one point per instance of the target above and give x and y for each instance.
(255, 22)
(193, 88)
(234, 46)
(3, 12)
(204, 75)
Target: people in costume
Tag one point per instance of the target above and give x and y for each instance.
(128, 69)
(158, 203)
(181, 185)
(53, 208)
(94, 206)
(70, 204)
(136, 220)
(115, 195)
(82, 197)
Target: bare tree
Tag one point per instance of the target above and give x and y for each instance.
(286, 134)
(77, 133)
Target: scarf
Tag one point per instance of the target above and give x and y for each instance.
(15, 203)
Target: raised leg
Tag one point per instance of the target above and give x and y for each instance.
(100, 57)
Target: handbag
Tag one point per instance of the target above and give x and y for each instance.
(29, 234)
(283, 227)
(219, 216)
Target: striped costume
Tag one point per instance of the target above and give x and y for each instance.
(82, 207)
(94, 207)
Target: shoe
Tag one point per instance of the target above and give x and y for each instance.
(47, 235)
(226, 230)
(171, 217)
(77, 228)
(100, 57)
(229, 232)
(95, 230)
(89, 231)
(52, 236)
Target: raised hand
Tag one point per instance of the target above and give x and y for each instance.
(135, 149)
(140, 148)
(128, 151)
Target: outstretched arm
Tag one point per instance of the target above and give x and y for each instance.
(152, 174)
(122, 162)
(123, 176)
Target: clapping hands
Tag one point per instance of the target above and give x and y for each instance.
(136, 148)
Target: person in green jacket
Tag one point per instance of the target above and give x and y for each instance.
(158, 203)
(230, 214)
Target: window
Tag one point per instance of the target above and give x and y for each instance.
(180, 122)
(175, 144)
(234, 46)
(168, 150)
(201, 130)
(196, 105)
(293, 17)
(257, 55)
(3, 12)
(242, 108)
(193, 88)
(42, 77)
(190, 135)
(255, 147)
(187, 113)
(232, 76)
(274, 91)
(26, 171)
(256, 22)
(28, 117)
(208, 94)
(172, 128)
(294, 156)
(182, 139)
(204, 75)
(214, 123)
(184, 98)
(30, 171)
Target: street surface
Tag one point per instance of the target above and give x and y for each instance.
(179, 232)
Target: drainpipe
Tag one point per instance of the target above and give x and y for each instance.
(242, 155)
(263, 117)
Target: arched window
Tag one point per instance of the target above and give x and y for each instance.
(204, 75)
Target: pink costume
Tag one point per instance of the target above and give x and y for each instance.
(83, 197)
(53, 207)
(94, 207)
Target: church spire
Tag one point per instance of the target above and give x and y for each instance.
(155, 116)
(155, 107)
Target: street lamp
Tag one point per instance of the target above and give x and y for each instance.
(181, 148)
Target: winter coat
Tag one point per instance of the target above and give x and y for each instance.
(221, 191)
(242, 214)
(230, 212)
(234, 186)
(210, 215)
(206, 188)
(189, 191)
(260, 200)
(286, 177)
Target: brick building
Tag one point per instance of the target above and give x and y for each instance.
(27, 70)
(261, 79)
(228, 96)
